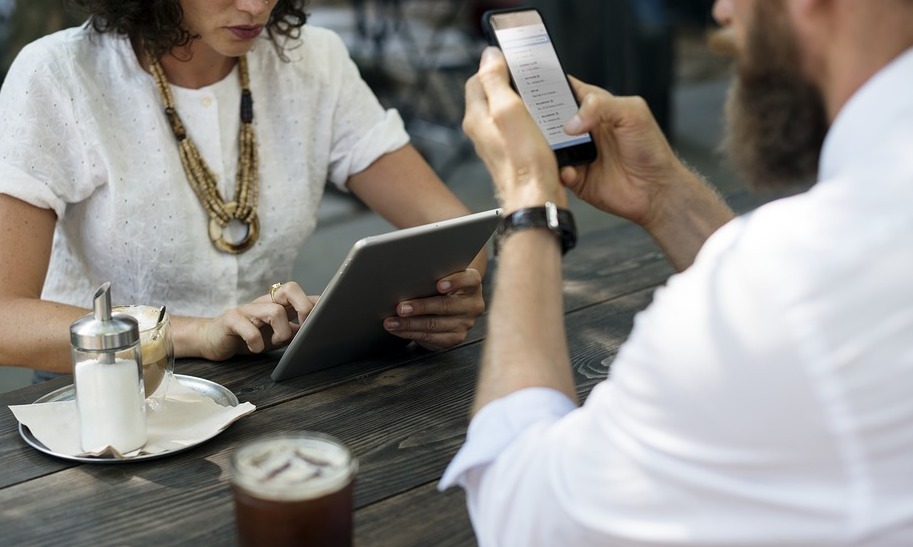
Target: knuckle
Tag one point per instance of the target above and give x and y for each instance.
(257, 322)
(275, 315)
(639, 106)
(594, 102)
(467, 324)
(451, 339)
(446, 305)
(507, 110)
(468, 126)
(487, 76)
(292, 285)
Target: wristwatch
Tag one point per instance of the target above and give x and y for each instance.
(559, 221)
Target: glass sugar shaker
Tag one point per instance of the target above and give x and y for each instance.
(108, 376)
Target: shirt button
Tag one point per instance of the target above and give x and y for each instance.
(206, 102)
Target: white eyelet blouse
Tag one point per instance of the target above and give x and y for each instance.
(82, 132)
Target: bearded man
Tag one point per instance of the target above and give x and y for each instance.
(763, 398)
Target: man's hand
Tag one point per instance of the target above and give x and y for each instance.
(635, 165)
(523, 167)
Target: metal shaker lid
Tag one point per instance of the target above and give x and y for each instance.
(102, 331)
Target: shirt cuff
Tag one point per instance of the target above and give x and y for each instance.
(498, 423)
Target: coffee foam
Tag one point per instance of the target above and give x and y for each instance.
(292, 468)
(146, 316)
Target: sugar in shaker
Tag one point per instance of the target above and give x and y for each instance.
(108, 376)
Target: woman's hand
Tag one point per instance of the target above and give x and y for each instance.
(267, 323)
(442, 321)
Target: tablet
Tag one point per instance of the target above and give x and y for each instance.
(380, 272)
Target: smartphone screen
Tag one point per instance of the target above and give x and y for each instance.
(539, 78)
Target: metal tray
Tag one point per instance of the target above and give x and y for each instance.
(218, 393)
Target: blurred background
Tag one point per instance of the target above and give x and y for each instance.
(417, 54)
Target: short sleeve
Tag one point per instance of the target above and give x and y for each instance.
(44, 159)
(362, 130)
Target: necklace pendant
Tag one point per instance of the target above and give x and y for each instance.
(228, 232)
(224, 234)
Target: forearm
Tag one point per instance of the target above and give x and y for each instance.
(685, 216)
(526, 344)
(185, 331)
(36, 334)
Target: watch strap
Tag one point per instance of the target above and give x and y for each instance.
(559, 221)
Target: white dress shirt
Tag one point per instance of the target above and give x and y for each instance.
(82, 132)
(765, 397)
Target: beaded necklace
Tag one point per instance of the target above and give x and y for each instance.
(243, 208)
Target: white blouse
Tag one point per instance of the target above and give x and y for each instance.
(82, 132)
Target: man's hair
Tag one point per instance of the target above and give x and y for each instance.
(157, 23)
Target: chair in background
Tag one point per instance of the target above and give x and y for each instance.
(417, 56)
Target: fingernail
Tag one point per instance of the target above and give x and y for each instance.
(391, 324)
(573, 125)
(445, 286)
(405, 309)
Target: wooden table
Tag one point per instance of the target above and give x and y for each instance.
(404, 418)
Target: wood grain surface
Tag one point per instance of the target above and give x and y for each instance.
(403, 415)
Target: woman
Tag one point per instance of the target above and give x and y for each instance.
(179, 149)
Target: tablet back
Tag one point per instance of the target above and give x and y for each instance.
(380, 272)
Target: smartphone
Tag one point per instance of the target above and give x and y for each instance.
(537, 75)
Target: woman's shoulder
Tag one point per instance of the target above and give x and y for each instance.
(316, 54)
(66, 50)
(320, 38)
(66, 44)
(312, 44)
(78, 60)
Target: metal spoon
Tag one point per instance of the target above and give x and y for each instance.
(155, 335)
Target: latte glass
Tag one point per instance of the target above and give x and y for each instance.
(157, 345)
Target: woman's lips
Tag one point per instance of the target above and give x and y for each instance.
(246, 32)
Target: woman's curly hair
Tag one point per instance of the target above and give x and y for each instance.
(157, 23)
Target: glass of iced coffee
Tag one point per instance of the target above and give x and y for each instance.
(157, 345)
(294, 489)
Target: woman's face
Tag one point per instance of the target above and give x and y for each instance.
(228, 27)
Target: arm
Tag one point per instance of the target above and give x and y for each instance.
(33, 333)
(402, 188)
(526, 344)
(637, 176)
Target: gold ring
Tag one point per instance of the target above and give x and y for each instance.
(272, 291)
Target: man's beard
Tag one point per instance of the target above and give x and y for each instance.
(776, 118)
